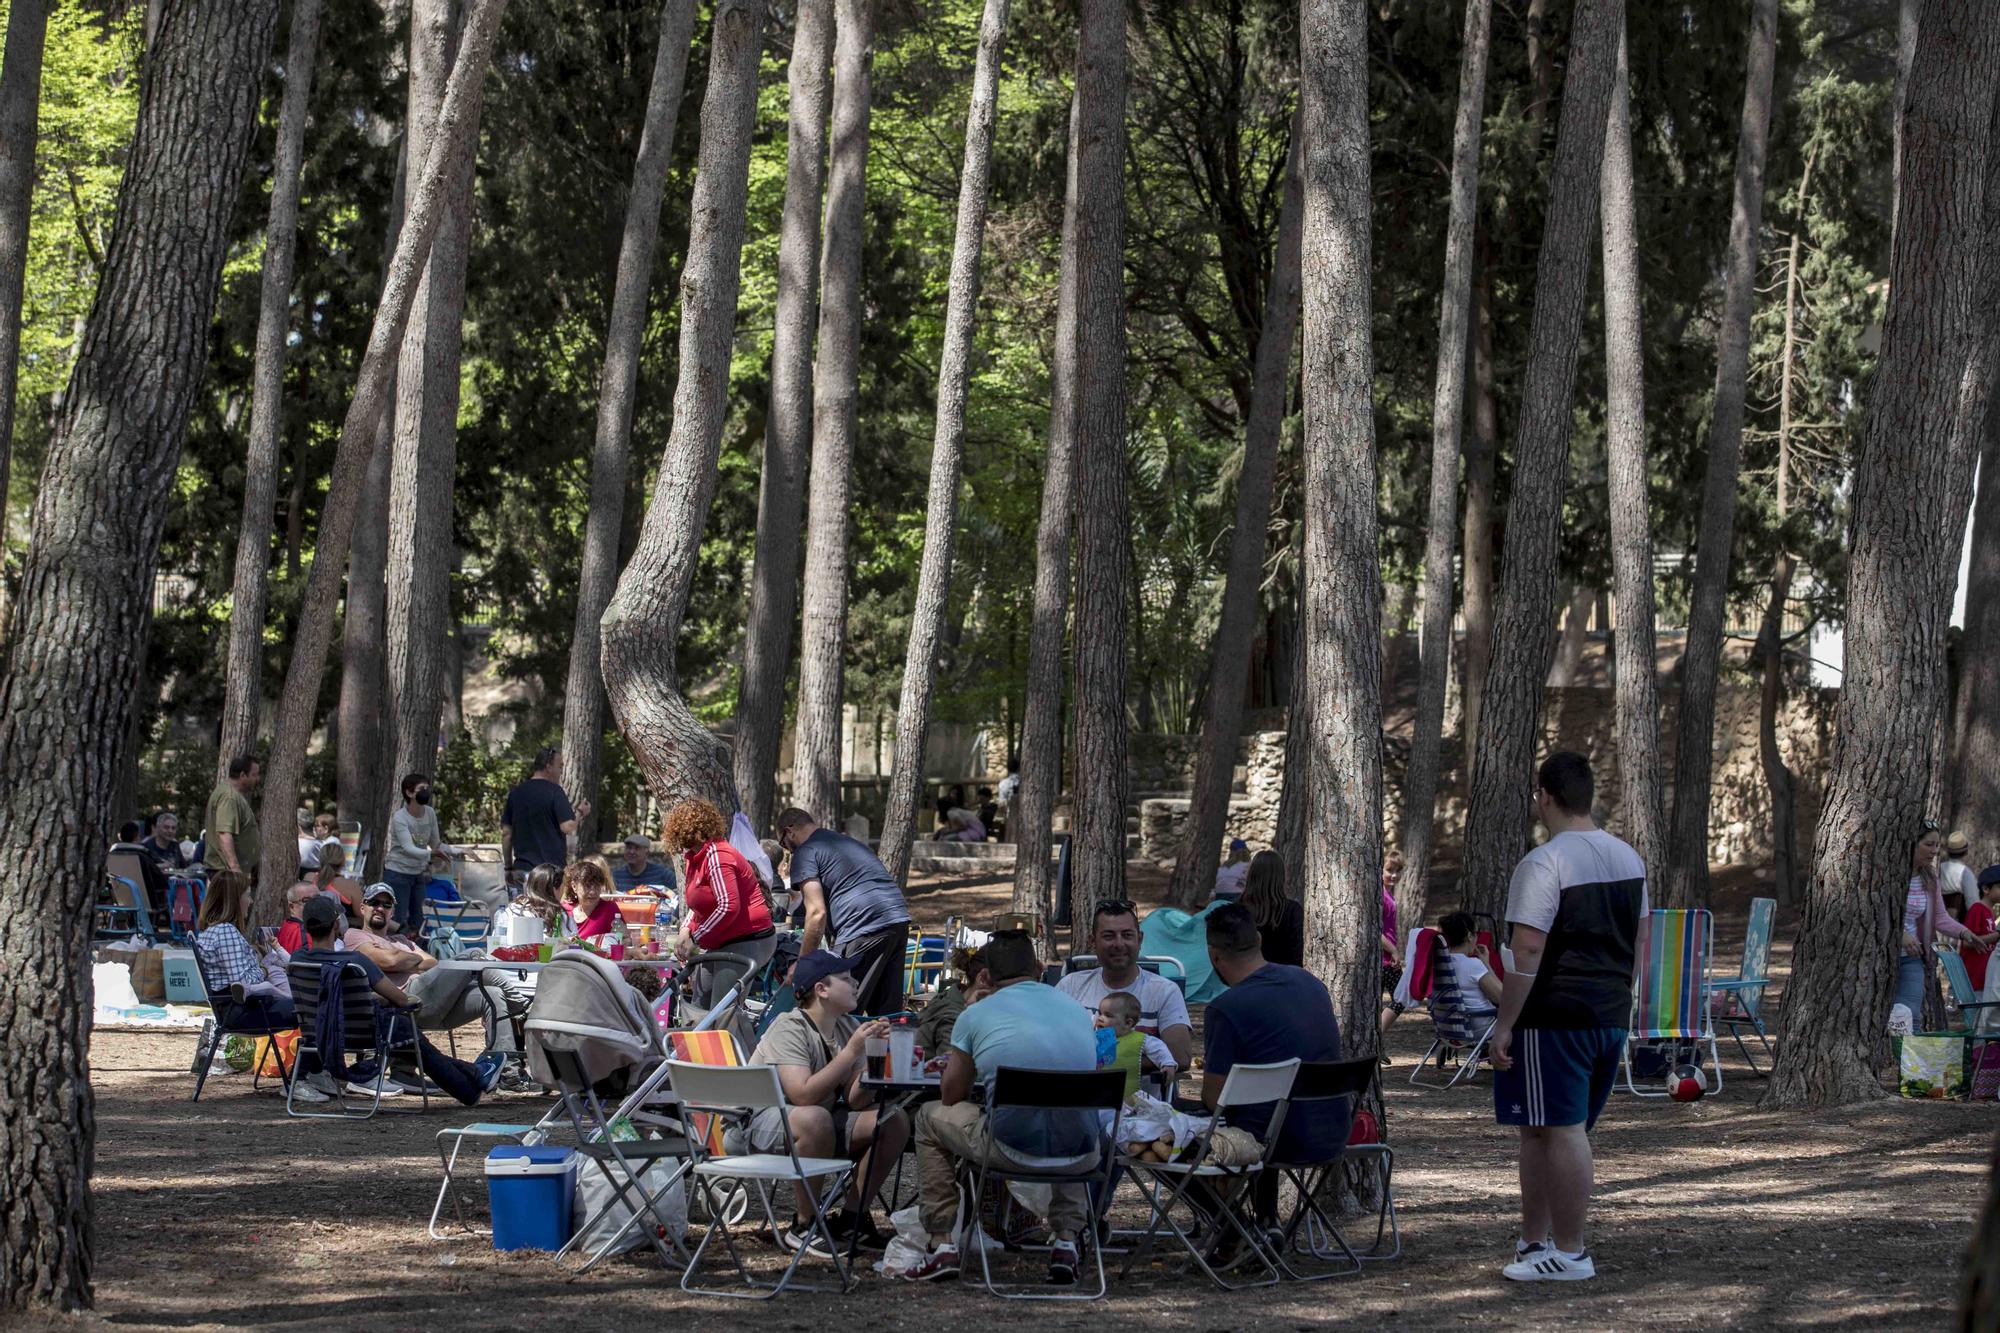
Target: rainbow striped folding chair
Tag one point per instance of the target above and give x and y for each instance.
(714, 1047)
(1670, 1003)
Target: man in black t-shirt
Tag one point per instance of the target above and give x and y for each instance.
(536, 826)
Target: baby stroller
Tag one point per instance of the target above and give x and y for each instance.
(592, 1038)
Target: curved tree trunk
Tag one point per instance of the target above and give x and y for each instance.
(424, 466)
(1686, 881)
(583, 697)
(1103, 535)
(364, 787)
(1496, 825)
(1640, 807)
(1927, 413)
(243, 700)
(680, 757)
(816, 761)
(1447, 422)
(774, 575)
(1033, 812)
(78, 649)
(1341, 582)
(20, 108)
(447, 169)
(1229, 658)
(927, 621)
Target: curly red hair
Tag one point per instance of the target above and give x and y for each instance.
(692, 823)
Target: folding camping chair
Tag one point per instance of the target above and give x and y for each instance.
(1741, 997)
(369, 1028)
(1671, 1001)
(1458, 1031)
(257, 1020)
(926, 959)
(1972, 1014)
(739, 1094)
(1049, 1092)
(1247, 1085)
(1308, 1231)
(591, 1036)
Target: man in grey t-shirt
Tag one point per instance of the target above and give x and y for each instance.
(853, 903)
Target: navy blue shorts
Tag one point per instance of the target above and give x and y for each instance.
(1560, 1076)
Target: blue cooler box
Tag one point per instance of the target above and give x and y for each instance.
(530, 1190)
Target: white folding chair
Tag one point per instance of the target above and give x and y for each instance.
(738, 1093)
(1247, 1085)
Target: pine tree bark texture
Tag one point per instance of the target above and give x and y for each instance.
(20, 106)
(1103, 535)
(1979, 1294)
(243, 699)
(617, 390)
(680, 757)
(1640, 808)
(927, 619)
(1289, 841)
(1976, 748)
(816, 761)
(446, 169)
(424, 466)
(1685, 883)
(1482, 452)
(365, 789)
(1447, 427)
(1927, 413)
(1496, 826)
(1229, 658)
(77, 651)
(774, 573)
(1031, 819)
(1341, 583)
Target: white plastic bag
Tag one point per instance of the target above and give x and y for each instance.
(908, 1248)
(600, 1211)
(1148, 1119)
(1900, 1022)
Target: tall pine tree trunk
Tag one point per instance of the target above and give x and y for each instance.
(816, 763)
(1686, 881)
(424, 466)
(1448, 401)
(364, 786)
(243, 700)
(446, 170)
(1482, 453)
(20, 106)
(1229, 657)
(1926, 417)
(927, 621)
(1103, 533)
(1641, 811)
(617, 389)
(1976, 751)
(1341, 581)
(1496, 825)
(1296, 794)
(680, 757)
(774, 575)
(78, 647)
(1031, 818)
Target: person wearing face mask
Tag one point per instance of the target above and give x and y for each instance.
(413, 840)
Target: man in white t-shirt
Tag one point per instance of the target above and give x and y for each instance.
(1578, 911)
(1163, 1012)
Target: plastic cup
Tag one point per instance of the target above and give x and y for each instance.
(545, 951)
(902, 1049)
(876, 1050)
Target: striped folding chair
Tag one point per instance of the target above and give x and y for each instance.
(1671, 1002)
(1740, 999)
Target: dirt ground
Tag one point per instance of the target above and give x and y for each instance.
(226, 1213)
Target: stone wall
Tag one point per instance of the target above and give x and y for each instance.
(1575, 719)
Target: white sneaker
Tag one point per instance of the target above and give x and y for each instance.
(1549, 1264)
(368, 1089)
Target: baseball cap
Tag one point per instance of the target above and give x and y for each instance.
(638, 840)
(817, 966)
(319, 912)
(1238, 845)
(1990, 875)
(378, 890)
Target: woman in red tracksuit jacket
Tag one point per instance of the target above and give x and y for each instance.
(724, 910)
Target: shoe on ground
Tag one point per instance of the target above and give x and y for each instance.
(1549, 1264)
(1063, 1263)
(381, 1083)
(489, 1067)
(940, 1264)
(802, 1235)
(304, 1091)
(857, 1229)
(322, 1080)
(1524, 1248)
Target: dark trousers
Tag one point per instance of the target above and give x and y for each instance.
(409, 902)
(879, 961)
(459, 1079)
